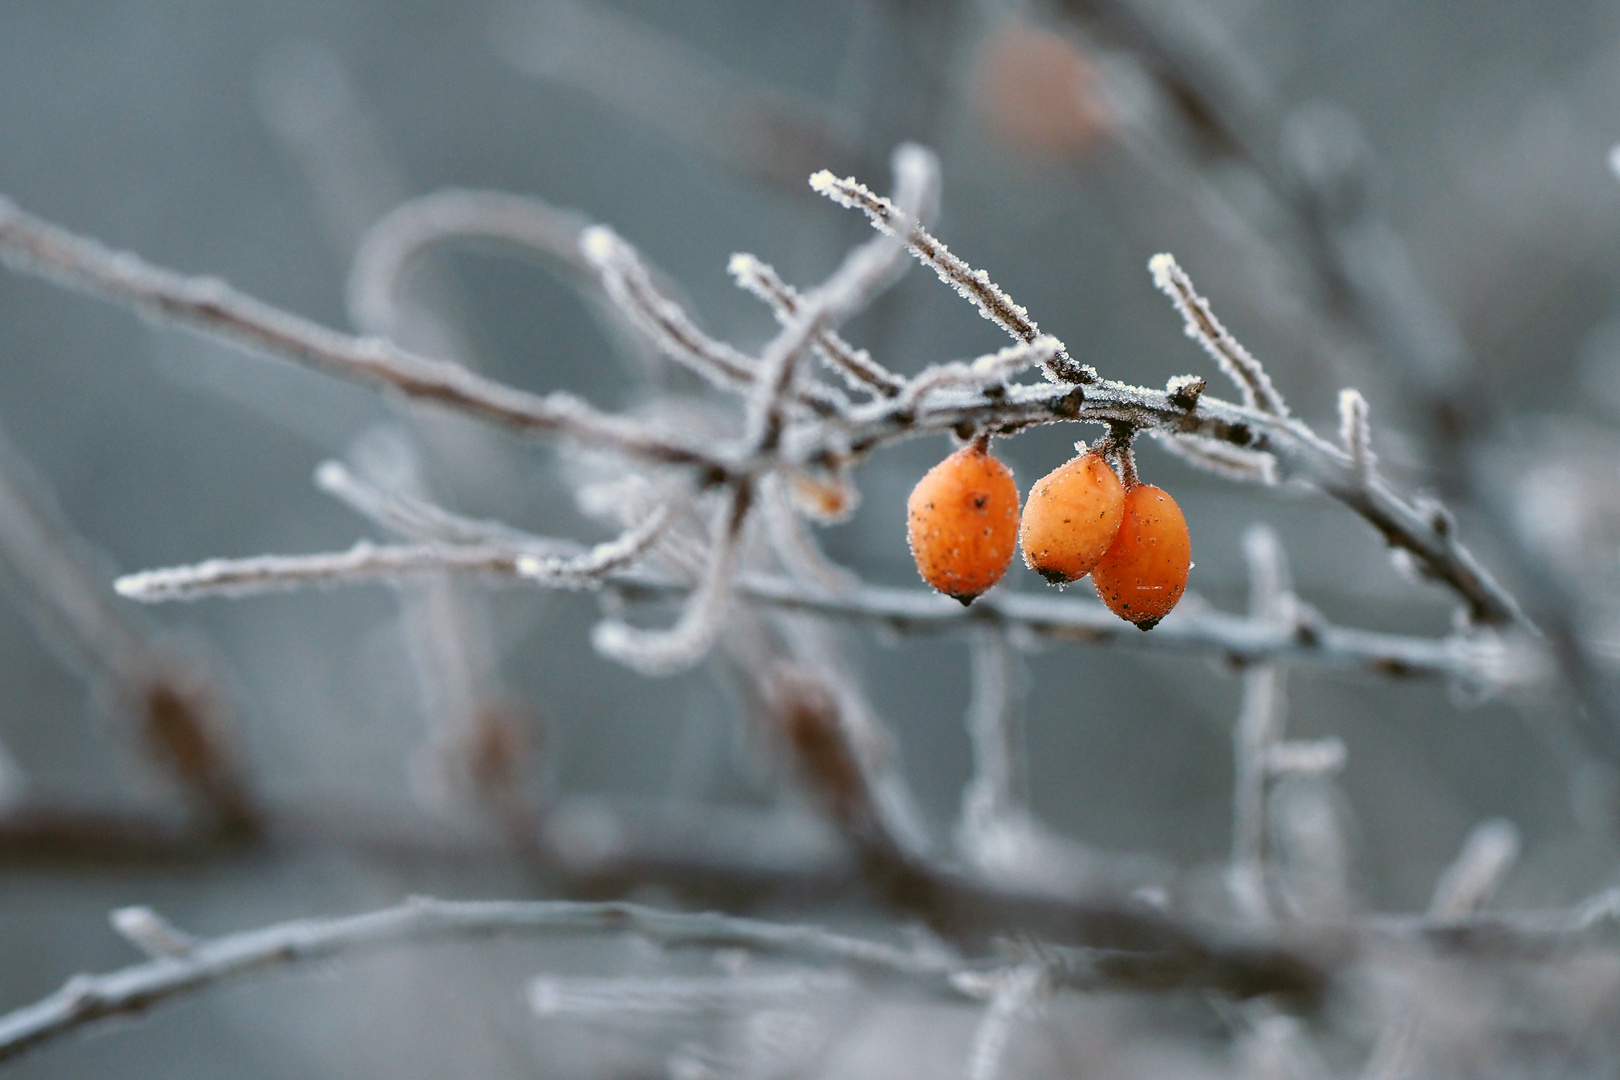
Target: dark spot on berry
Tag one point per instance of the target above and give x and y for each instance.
(1147, 624)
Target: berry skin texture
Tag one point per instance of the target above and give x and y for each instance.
(1144, 571)
(962, 521)
(1071, 517)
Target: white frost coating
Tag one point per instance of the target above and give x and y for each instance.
(855, 365)
(1235, 362)
(604, 558)
(151, 933)
(1014, 995)
(1221, 458)
(610, 998)
(991, 369)
(1313, 758)
(364, 562)
(1486, 859)
(973, 285)
(665, 652)
(1355, 432)
(629, 286)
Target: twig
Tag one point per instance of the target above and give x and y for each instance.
(1203, 327)
(1015, 992)
(1233, 637)
(973, 285)
(1259, 728)
(210, 306)
(85, 1000)
(625, 997)
(857, 367)
(661, 652)
(1487, 857)
(526, 224)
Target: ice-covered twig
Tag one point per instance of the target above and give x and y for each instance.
(424, 521)
(388, 246)
(1232, 637)
(151, 933)
(1260, 725)
(1202, 326)
(662, 652)
(857, 367)
(630, 286)
(865, 273)
(364, 562)
(1014, 993)
(213, 307)
(1486, 859)
(614, 999)
(1355, 433)
(86, 999)
(983, 374)
(995, 730)
(974, 285)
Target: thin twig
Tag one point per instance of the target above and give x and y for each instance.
(1203, 327)
(212, 307)
(973, 285)
(85, 1000)
(1234, 637)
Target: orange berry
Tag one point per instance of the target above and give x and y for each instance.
(1071, 517)
(962, 521)
(1144, 571)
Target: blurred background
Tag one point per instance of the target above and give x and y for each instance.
(1415, 201)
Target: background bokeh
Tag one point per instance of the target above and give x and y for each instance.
(257, 142)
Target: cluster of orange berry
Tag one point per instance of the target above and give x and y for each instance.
(963, 523)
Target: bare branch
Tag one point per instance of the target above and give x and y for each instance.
(974, 285)
(1486, 859)
(365, 562)
(1203, 327)
(1015, 991)
(857, 367)
(84, 1000)
(1355, 432)
(526, 224)
(151, 933)
(210, 306)
(983, 374)
(662, 652)
(620, 998)
(1259, 727)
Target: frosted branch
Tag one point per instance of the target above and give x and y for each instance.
(973, 285)
(420, 520)
(1355, 433)
(983, 375)
(994, 729)
(1486, 859)
(1260, 725)
(87, 999)
(212, 307)
(1202, 326)
(585, 998)
(663, 652)
(364, 563)
(151, 933)
(865, 273)
(1011, 1001)
(856, 365)
(527, 225)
